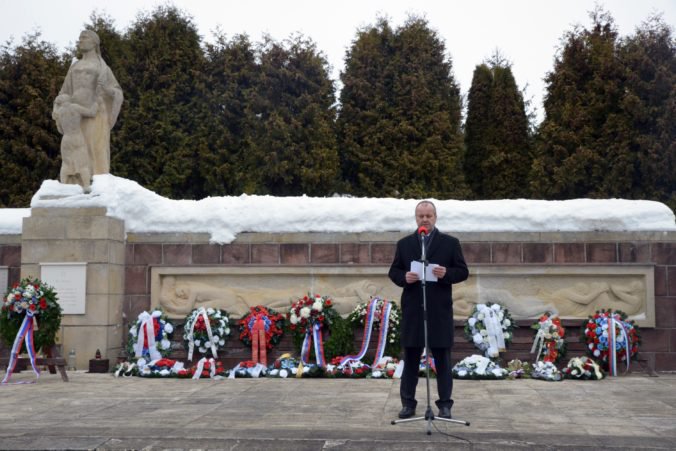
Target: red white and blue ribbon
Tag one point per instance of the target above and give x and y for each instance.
(313, 335)
(612, 344)
(368, 327)
(25, 334)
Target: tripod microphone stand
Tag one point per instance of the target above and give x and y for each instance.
(429, 414)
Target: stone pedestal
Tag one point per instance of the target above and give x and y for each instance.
(82, 235)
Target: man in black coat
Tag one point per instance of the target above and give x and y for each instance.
(444, 251)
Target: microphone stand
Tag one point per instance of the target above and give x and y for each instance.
(429, 414)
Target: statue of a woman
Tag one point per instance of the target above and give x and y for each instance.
(90, 83)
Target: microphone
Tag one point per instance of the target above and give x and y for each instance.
(422, 231)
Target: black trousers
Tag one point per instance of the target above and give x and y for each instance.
(409, 378)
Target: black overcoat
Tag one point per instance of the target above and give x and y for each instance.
(443, 250)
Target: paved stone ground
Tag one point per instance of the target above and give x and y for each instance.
(98, 411)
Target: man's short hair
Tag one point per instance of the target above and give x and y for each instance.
(429, 202)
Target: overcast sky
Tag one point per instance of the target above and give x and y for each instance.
(527, 32)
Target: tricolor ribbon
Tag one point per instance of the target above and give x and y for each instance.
(313, 334)
(147, 325)
(25, 334)
(612, 345)
(369, 321)
(191, 335)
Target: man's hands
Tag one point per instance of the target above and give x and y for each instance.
(439, 271)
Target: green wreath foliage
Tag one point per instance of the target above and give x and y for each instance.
(39, 297)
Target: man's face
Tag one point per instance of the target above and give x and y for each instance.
(425, 216)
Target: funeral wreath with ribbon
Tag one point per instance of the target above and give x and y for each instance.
(490, 328)
(206, 330)
(149, 336)
(309, 317)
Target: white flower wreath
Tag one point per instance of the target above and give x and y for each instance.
(478, 367)
(490, 328)
(150, 346)
(207, 336)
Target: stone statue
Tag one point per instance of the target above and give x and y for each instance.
(91, 86)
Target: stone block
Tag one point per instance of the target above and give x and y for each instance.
(265, 254)
(671, 280)
(105, 279)
(665, 361)
(601, 252)
(68, 212)
(206, 254)
(382, 253)
(100, 310)
(26, 271)
(353, 253)
(46, 251)
(664, 253)
(665, 312)
(324, 253)
(129, 253)
(133, 306)
(661, 281)
(93, 228)
(506, 253)
(44, 227)
(294, 254)
(177, 254)
(672, 342)
(537, 253)
(476, 252)
(655, 340)
(634, 253)
(569, 253)
(136, 279)
(147, 254)
(10, 255)
(235, 254)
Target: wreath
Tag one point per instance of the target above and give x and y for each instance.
(287, 367)
(549, 341)
(247, 368)
(596, 334)
(161, 368)
(385, 369)
(161, 328)
(583, 368)
(208, 336)
(273, 321)
(308, 311)
(478, 367)
(393, 341)
(546, 371)
(516, 369)
(40, 299)
(205, 368)
(490, 328)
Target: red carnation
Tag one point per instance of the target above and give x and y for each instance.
(32, 307)
(43, 304)
(327, 303)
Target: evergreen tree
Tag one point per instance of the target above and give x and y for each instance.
(30, 75)
(233, 77)
(649, 103)
(582, 148)
(163, 136)
(399, 126)
(295, 146)
(478, 128)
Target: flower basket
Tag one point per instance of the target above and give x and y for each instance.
(478, 367)
(516, 369)
(583, 368)
(490, 328)
(350, 369)
(546, 371)
(610, 345)
(386, 368)
(149, 336)
(38, 298)
(206, 330)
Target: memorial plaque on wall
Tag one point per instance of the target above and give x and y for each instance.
(70, 282)
(4, 276)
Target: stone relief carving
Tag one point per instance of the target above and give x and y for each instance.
(571, 294)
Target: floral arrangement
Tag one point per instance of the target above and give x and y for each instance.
(160, 368)
(125, 369)
(596, 335)
(516, 369)
(583, 368)
(358, 316)
(489, 327)
(478, 367)
(161, 328)
(351, 368)
(38, 298)
(546, 371)
(385, 368)
(205, 370)
(247, 368)
(308, 311)
(286, 366)
(274, 325)
(207, 338)
(549, 341)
